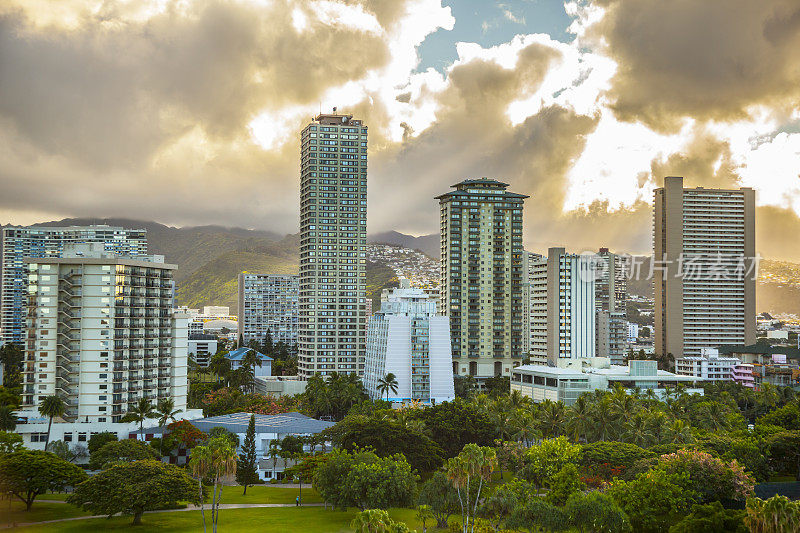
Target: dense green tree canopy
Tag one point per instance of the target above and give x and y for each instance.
(98, 440)
(28, 473)
(455, 424)
(133, 488)
(364, 480)
(654, 500)
(122, 451)
(387, 437)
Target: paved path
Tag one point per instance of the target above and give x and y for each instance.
(188, 508)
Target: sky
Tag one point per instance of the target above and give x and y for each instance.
(188, 112)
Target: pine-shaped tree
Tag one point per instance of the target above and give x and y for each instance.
(247, 469)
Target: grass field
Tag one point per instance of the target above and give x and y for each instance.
(266, 520)
(256, 494)
(14, 512)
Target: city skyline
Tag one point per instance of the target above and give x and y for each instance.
(562, 103)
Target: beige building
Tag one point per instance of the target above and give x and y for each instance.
(704, 275)
(482, 271)
(102, 334)
(333, 239)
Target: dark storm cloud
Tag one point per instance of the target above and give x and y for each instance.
(710, 59)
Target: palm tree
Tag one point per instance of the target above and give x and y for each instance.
(680, 432)
(603, 419)
(250, 361)
(140, 412)
(8, 419)
(637, 431)
(579, 418)
(551, 418)
(51, 406)
(386, 384)
(165, 411)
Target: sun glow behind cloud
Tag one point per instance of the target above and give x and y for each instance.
(171, 93)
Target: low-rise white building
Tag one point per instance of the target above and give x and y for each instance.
(565, 383)
(408, 339)
(268, 428)
(236, 356)
(202, 348)
(711, 366)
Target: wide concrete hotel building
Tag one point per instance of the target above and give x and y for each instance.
(333, 240)
(482, 276)
(704, 280)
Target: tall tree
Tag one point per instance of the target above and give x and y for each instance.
(386, 384)
(51, 407)
(247, 469)
(474, 463)
(217, 461)
(267, 346)
(165, 412)
(141, 411)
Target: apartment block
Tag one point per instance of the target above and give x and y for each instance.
(407, 338)
(481, 289)
(269, 304)
(704, 275)
(19, 242)
(563, 294)
(102, 333)
(333, 240)
(610, 302)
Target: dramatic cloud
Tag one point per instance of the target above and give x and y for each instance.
(187, 111)
(709, 59)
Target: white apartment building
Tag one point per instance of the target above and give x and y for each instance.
(408, 339)
(269, 304)
(202, 348)
(19, 242)
(563, 294)
(633, 332)
(333, 240)
(704, 246)
(102, 334)
(566, 381)
(528, 310)
(711, 366)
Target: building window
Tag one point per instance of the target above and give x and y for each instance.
(81, 437)
(67, 437)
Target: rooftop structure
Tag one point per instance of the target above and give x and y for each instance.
(566, 383)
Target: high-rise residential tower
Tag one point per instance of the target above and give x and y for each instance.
(333, 239)
(482, 276)
(610, 300)
(102, 334)
(563, 294)
(268, 303)
(407, 338)
(704, 270)
(19, 242)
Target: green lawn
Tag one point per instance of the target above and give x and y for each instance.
(255, 494)
(266, 520)
(14, 513)
(269, 494)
